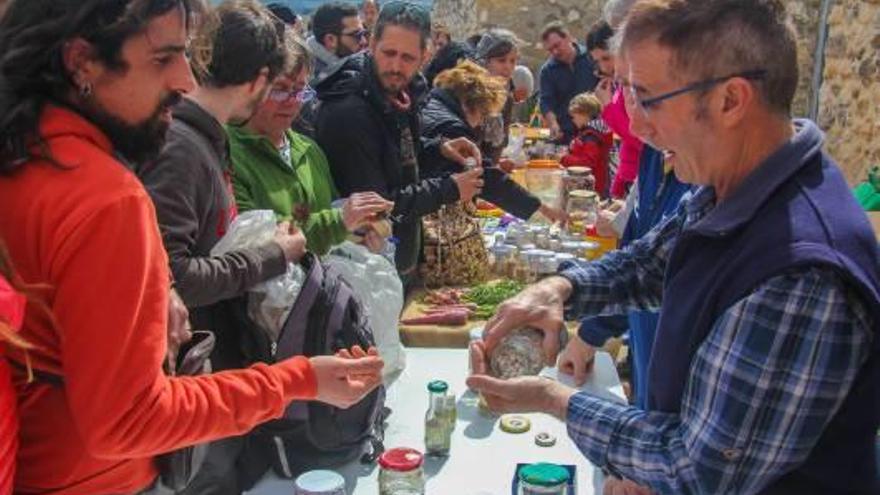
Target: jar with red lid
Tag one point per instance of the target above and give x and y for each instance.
(401, 472)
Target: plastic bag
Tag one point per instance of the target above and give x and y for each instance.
(515, 150)
(269, 302)
(375, 281)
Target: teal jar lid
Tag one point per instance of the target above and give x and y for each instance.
(544, 474)
(438, 386)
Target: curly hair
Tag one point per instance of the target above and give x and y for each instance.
(474, 87)
(32, 73)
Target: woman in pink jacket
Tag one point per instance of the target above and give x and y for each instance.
(614, 110)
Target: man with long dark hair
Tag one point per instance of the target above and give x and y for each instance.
(82, 83)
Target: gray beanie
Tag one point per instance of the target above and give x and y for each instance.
(615, 12)
(495, 43)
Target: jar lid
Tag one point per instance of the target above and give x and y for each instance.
(438, 386)
(544, 474)
(320, 482)
(504, 249)
(583, 194)
(578, 170)
(565, 257)
(589, 245)
(401, 459)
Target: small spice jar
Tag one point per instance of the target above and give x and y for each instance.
(543, 479)
(578, 179)
(583, 211)
(401, 472)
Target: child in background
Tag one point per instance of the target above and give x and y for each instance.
(591, 147)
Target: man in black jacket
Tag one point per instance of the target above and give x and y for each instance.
(367, 124)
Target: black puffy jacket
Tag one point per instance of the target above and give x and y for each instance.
(442, 117)
(360, 132)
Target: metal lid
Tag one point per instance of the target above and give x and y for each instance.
(579, 171)
(544, 474)
(319, 482)
(438, 386)
(401, 459)
(584, 194)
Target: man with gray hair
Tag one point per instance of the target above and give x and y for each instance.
(766, 365)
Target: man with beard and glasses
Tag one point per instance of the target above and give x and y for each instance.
(368, 124)
(80, 228)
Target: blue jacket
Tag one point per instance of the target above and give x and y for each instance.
(659, 194)
(559, 83)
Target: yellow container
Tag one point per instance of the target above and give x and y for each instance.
(606, 244)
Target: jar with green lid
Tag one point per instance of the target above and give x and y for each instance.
(439, 419)
(543, 479)
(401, 472)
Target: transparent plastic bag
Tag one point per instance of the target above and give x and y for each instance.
(269, 302)
(374, 280)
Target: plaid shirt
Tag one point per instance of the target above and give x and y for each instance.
(768, 378)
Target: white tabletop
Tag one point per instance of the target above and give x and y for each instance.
(483, 458)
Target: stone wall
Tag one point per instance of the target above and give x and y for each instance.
(848, 98)
(849, 107)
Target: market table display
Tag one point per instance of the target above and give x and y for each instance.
(483, 458)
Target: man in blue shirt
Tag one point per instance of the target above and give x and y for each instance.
(764, 373)
(569, 71)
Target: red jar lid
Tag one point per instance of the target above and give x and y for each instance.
(401, 459)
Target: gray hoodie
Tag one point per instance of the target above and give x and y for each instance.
(324, 58)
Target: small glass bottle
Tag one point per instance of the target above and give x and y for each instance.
(543, 479)
(401, 472)
(439, 419)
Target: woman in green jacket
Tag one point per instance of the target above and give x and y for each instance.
(277, 169)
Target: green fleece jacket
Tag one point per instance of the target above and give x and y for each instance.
(301, 192)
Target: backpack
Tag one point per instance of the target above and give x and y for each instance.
(325, 318)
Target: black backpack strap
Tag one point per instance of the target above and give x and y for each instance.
(39, 375)
(293, 334)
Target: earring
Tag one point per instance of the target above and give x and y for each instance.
(85, 90)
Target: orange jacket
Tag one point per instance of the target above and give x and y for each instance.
(87, 229)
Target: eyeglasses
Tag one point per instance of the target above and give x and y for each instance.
(360, 34)
(645, 105)
(301, 95)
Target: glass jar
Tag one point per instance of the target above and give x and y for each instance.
(523, 269)
(546, 263)
(401, 472)
(543, 479)
(583, 211)
(578, 179)
(319, 482)
(520, 353)
(439, 419)
(589, 250)
(503, 256)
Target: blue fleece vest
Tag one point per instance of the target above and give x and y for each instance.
(795, 210)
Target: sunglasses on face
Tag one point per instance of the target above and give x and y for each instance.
(360, 34)
(300, 95)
